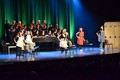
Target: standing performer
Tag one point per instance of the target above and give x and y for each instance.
(12, 31)
(63, 42)
(44, 27)
(19, 40)
(80, 38)
(7, 27)
(101, 37)
(20, 25)
(33, 24)
(39, 27)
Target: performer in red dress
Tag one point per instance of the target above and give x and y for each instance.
(80, 38)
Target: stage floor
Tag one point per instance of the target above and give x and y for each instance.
(48, 55)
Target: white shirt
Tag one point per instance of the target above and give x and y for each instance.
(28, 39)
(20, 42)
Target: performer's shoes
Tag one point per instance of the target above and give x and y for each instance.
(17, 57)
(101, 50)
(81, 50)
(21, 57)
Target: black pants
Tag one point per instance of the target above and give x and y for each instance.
(19, 51)
(63, 49)
(11, 38)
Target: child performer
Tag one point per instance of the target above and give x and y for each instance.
(63, 41)
(20, 44)
(80, 38)
(29, 42)
(101, 37)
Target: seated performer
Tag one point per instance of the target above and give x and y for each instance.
(49, 34)
(59, 32)
(55, 33)
(39, 27)
(51, 28)
(38, 33)
(30, 45)
(31, 28)
(57, 27)
(44, 28)
(19, 40)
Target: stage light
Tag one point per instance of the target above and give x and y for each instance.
(77, 3)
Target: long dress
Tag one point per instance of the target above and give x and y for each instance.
(80, 40)
(30, 45)
(63, 42)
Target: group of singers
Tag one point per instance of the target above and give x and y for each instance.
(37, 29)
(20, 34)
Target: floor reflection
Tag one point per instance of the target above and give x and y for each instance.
(72, 53)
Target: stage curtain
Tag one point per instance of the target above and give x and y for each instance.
(53, 11)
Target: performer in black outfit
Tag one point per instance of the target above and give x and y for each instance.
(51, 28)
(44, 27)
(39, 27)
(7, 27)
(12, 32)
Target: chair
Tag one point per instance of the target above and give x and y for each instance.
(9, 47)
(3, 46)
(88, 44)
(73, 49)
(108, 44)
(29, 50)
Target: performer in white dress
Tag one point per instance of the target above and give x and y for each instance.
(29, 43)
(63, 41)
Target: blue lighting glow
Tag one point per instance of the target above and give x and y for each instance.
(77, 4)
(84, 19)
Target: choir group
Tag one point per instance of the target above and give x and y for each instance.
(21, 35)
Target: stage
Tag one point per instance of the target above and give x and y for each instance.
(49, 55)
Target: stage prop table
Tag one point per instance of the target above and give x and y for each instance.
(47, 43)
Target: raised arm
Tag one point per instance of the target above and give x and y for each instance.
(97, 33)
(59, 37)
(15, 39)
